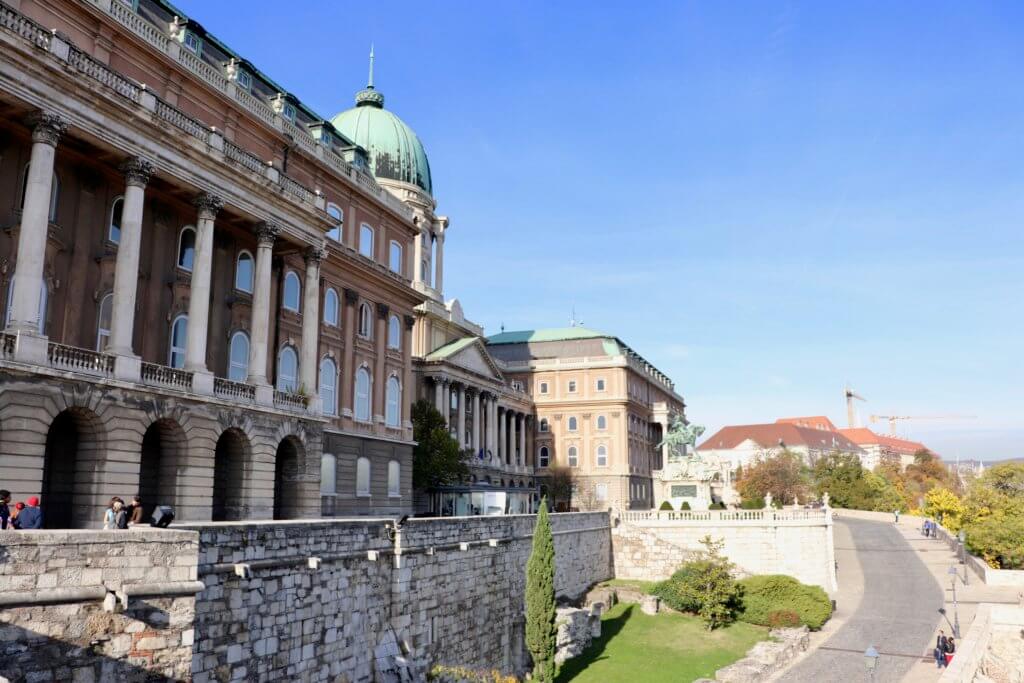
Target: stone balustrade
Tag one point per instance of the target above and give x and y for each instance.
(164, 376)
(289, 401)
(63, 357)
(237, 391)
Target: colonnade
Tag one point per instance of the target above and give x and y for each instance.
(500, 431)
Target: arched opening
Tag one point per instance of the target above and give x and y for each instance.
(72, 479)
(229, 460)
(287, 462)
(163, 449)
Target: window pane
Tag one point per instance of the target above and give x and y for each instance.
(395, 257)
(291, 291)
(394, 481)
(393, 408)
(362, 395)
(244, 272)
(363, 477)
(103, 324)
(366, 240)
(394, 333)
(335, 212)
(179, 333)
(187, 248)
(331, 307)
(115, 221)
(238, 365)
(328, 474)
(328, 377)
(287, 370)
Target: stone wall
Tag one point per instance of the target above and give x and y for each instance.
(652, 545)
(992, 650)
(96, 606)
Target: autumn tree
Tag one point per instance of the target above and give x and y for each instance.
(781, 475)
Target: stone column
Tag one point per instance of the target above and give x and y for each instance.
(446, 409)
(463, 394)
(259, 327)
(379, 379)
(408, 390)
(439, 394)
(513, 423)
(309, 365)
(439, 262)
(477, 419)
(347, 384)
(522, 440)
(502, 443)
(47, 129)
(126, 269)
(208, 206)
(493, 417)
(418, 255)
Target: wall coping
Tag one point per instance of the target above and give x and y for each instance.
(81, 536)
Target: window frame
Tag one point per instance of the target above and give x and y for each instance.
(543, 457)
(363, 477)
(543, 387)
(243, 79)
(328, 407)
(118, 201)
(252, 270)
(602, 423)
(394, 482)
(103, 333)
(544, 426)
(364, 326)
(572, 455)
(393, 401)
(328, 463)
(600, 384)
(332, 303)
(298, 291)
(197, 48)
(232, 365)
(281, 377)
(392, 246)
(571, 386)
(394, 326)
(178, 255)
(572, 424)
(173, 350)
(363, 229)
(339, 226)
(599, 453)
(360, 415)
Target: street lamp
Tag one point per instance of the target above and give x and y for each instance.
(953, 574)
(962, 536)
(871, 660)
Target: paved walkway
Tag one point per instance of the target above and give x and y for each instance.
(887, 597)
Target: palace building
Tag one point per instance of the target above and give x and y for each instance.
(218, 298)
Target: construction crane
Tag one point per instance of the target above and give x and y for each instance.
(893, 419)
(850, 412)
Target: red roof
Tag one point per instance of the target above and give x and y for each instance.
(814, 422)
(863, 436)
(780, 433)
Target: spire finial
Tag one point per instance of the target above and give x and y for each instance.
(369, 84)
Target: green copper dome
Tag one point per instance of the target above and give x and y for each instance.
(394, 150)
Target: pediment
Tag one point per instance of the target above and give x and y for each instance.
(474, 358)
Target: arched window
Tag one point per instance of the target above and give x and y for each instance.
(328, 475)
(187, 248)
(287, 370)
(244, 272)
(394, 479)
(103, 322)
(394, 332)
(543, 457)
(331, 307)
(43, 295)
(179, 333)
(574, 460)
(363, 395)
(365, 321)
(335, 212)
(238, 357)
(544, 425)
(291, 291)
(572, 424)
(393, 401)
(366, 240)
(54, 193)
(114, 229)
(363, 477)
(395, 257)
(602, 456)
(602, 422)
(328, 386)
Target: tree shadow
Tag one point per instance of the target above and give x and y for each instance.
(609, 629)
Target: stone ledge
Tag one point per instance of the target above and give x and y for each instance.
(82, 536)
(767, 657)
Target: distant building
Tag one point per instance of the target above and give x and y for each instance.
(879, 448)
(738, 445)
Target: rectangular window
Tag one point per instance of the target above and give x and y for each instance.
(517, 385)
(600, 385)
(601, 492)
(289, 112)
(366, 240)
(572, 386)
(244, 80)
(543, 388)
(395, 257)
(192, 42)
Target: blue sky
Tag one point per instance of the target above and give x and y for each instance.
(767, 200)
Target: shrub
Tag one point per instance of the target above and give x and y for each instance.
(703, 586)
(998, 541)
(752, 503)
(666, 505)
(684, 506)
(783, 618)
(763, 595)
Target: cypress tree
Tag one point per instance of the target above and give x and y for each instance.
(540, 599)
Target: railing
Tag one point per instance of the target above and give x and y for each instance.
(104, 75)
(819, 515)
(129, 18)
(246, 159)
(296, 188)
(283, 399)
(79, 360)
(249, 101)
(226, 388)
(24, 27)
(166, 377)
(7, 342)
(202, 69)
(180, 119)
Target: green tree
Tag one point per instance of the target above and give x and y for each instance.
(437, 459)
(540, 599)
(560, 481)
(781, 475)
(704, 586)
(842, 477)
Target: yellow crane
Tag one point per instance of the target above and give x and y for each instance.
(893, 419)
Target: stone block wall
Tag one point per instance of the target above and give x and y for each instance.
(53, 589)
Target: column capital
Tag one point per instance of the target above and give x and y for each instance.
(410, 321)
(208, 205)
(351, 296)
(315, 253)
(47, 127)
(136, 170)
(383, 310)
(266, 233)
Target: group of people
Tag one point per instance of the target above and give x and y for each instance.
(945, 646)
(27, 515)
(119, 516)
(929, 528)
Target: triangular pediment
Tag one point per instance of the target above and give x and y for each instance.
(469, 354)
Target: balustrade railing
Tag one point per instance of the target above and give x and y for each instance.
(226, 388)
(164, 376)
(246, 159)
(724, 515)
(289, 401)
(296, 188)
(75, 359)
(103, 74)
(13, 20)
(180, 119)
(126, 16)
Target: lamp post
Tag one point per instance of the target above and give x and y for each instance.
(962, 536)
(956, 612)
(871, 660)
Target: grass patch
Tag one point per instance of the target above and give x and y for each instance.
(658, 648)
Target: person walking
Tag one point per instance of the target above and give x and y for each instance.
(5, 510)
(940, 650)
(896, 514)
(950, 650)
(32, 516)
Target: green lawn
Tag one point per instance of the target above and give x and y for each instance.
(637, 584)
(664, 647)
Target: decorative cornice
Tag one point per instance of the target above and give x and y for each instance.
(47, 127)
(351, 296)
(410, 321)
(383, 310)
(266, 233)
(208, 205)
(315, 254)
(137, 171)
